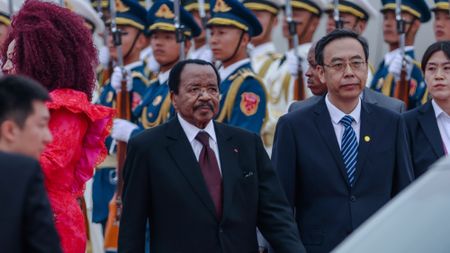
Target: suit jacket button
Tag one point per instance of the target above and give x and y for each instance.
(353, 198)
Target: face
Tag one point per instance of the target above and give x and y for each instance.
(390, 25)
(437, 76)
(32, 138)
(8, 66)
(165, 47)
(349, 21)
(301, 18)
(442, 25)
(225, 40)
(4, 31)
(317, 88)
(197, 100)
(128, 36)
(267, 21)
(345, 69)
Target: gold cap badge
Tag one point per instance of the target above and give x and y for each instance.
(164, 12)
(221, 6)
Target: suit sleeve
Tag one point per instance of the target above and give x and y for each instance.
(403, 173)
(275, 218)
(136, 199)
(41, 235)
(284, 158)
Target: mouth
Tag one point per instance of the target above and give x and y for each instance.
(159, 52)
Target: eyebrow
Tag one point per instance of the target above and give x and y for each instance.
(356, 57)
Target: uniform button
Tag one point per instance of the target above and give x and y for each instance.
(352, 198)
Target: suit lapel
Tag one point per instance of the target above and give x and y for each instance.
(326, 130)
(366, 133)
(229, 164)
(181, 152)
(427, 120)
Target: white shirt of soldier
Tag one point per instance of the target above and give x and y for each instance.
(225, 72)
(163, 76)
(260, 53)
(336, 116)
(443, 122)
(191, 132)
(201, 53)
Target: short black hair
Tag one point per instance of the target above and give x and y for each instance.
(335, 35)
(175, 73)
(443, 46)
(17, 94)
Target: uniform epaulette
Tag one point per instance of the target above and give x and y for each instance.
(139, 75)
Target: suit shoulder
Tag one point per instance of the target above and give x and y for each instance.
(411, 115)
(18, 164)
(150, 135)
(241, 132)
(383, 112)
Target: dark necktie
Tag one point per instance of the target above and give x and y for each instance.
(349, 148)
(210, 170)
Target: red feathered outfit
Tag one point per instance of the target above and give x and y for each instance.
(79, 129)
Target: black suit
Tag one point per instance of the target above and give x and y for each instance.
(424, 138)
(26, 220)
(308, 159)
(163, 183)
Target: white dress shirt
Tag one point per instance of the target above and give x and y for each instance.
(225, 72)
(163, 76)
(443, 122)
(336, 116)
(191, 132)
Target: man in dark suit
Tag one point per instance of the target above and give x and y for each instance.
(203, 185)
(26, 220)
(320, 89)
(340, 159)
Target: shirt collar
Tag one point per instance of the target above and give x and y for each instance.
(225, 72)
(163, 76)
(263, 49)
(191, 131)
(336, 114)
(438, 110)
(133, 65)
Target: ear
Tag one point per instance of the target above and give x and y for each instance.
(9, 130)
(314, 23)
(321, 72)
(274, 21)
(142, 41)
(245, 40)
(362, 25)
(173, 99)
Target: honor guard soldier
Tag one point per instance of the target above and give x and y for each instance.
(389, 78)
(283, 87)
(156, 107)
(353, 15)
(243, 96)
(131, 21)
(263, 53)
(201, 49)
(441, 25)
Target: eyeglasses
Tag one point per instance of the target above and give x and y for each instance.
(355, 65)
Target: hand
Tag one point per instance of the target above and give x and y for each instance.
(153, 65)
(103, 56)
(292, 63)
(395, 66)
(122, 129)
(116, 79)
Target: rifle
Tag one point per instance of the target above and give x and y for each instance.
(204, 18)
(123, 112)
(402, 88)
(339, 24)
(299, 87)
(179, 29)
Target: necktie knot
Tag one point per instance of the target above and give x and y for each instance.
(203, 138)
(347, 120)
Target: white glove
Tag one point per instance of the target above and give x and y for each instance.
(395, 66)
(292, 63)
(122, 129)
(116, 79)
(153, 65)
(103, 56)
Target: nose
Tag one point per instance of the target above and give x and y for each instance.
(309, 72)
(48, 137)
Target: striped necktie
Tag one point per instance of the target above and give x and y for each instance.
(349, 148)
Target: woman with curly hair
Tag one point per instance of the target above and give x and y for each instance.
(51, 45)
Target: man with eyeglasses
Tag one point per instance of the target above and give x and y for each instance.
(387, 78)
(319, 89)
(327, 155)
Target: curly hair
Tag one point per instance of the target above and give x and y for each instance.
(53, 47)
